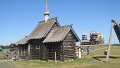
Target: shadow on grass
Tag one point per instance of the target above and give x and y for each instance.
(99, 58)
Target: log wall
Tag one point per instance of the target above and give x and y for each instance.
(69, 47)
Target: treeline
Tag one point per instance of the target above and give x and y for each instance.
(116, 44)
(4, 47)
(113, 44)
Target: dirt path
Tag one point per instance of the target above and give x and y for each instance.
(2, 65)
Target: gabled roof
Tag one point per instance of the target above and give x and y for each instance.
(40, 31)
(22, 41)
(59, 34)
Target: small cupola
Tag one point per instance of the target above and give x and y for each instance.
(46, 13)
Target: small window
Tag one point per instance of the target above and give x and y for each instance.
(37, 47)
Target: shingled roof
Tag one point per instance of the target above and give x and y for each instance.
(40, 31)
(59, 34)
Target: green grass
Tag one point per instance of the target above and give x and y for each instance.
(113, 63)
(85, 62)
(115, 50)
(49, 64)
(78, 63)
(1, 55)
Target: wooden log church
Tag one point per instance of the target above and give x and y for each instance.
(49, 40)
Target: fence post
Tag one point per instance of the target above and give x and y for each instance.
(55, 56)
(79, 53)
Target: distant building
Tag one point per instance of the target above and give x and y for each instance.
(95, 38)
(85, 41)
(0, 49)
(13, 47)
(13, 50)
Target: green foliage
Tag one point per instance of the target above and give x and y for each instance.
(5, 47)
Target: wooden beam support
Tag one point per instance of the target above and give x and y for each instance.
(29, 50)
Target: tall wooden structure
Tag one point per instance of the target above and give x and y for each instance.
(95, 38)
(85, 41)
(116, 28)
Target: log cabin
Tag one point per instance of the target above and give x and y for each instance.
(49, 41)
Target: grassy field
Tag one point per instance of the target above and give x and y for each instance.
(85, 62)
(50, 64)
(1, 55)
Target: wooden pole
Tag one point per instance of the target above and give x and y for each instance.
(55, 56)
(18, 52)
(79, 53)
(110, 39)
(29, 50)
(21, 50)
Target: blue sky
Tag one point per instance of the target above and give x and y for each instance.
(19, 17)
